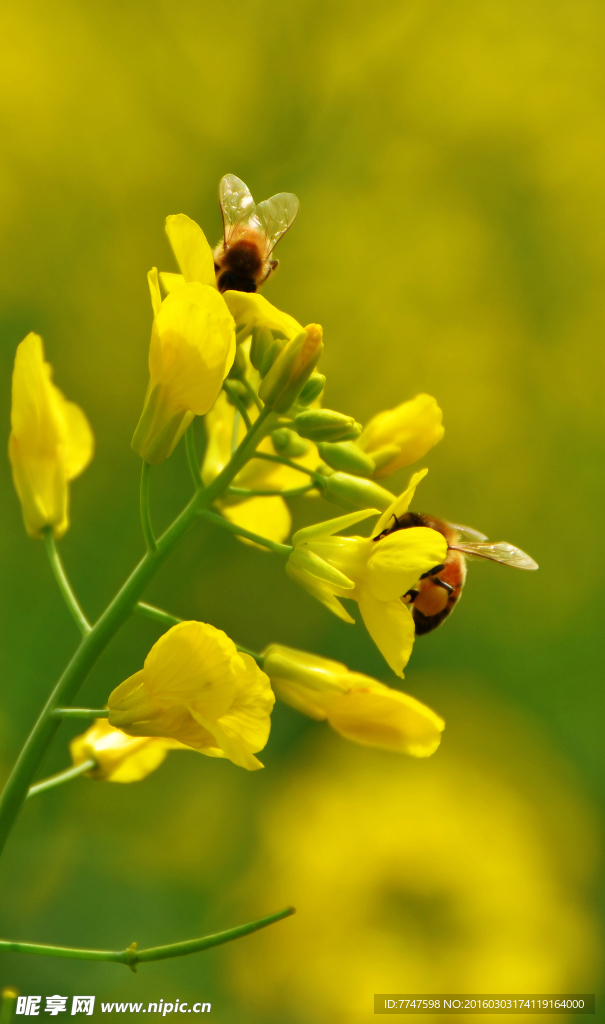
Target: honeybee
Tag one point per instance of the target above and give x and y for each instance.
(250, 234)
(438, 590)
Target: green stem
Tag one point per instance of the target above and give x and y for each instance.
(288, 462)
(9, 1000)
(148, 534)
(251, 492)
(64, 585)
(253, 395)
(159, 615)
(151, 612)
(226, 524)
(61, 777)
(80, 713)
(133, 956)
(192, 459)
(106, 627)
(237, 402)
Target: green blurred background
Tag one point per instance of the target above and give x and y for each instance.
(450, 163)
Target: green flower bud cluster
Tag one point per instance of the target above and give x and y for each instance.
(326, 425)
(291, 369)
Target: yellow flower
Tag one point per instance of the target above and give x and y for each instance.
(397, 437)
(50, 442)
(192, 350)
(196, 688)
(356, 706)
(120, 758)
(268, 516)
(251, 311)
(376, 574)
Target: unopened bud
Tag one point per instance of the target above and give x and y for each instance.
(238, 388)
(326, 425)
(271, 354)
(346, 456)
(292, 369)
(354, 492)
(262, 340)
(286, 442)
(312, 389)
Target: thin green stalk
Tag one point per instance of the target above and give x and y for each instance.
(151, 612)
(235, 431)
(192, 459)
(237, 402)
(288, 462)
(61, 777)
(148, 534)
(251, 492)
(133, 956)
(226, 524)
(159, 615)
(106, 627)
(80, 713)
(64, 585)
(253, 395)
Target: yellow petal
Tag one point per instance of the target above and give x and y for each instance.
(154, 290)
(191, 248)
(412, 428)
(400, 504)
(391, 626)
(192, 664)
(398, 561)
(79, 439)
(171, 281)
(253, 310)
(269, 517)
(379, 716)
(319, 590)
(244, 728)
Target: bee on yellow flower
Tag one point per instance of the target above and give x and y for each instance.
(376, 572)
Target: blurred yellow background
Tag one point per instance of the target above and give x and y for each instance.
(450, 163)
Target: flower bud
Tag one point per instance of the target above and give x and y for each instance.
(270, 355)
(119, 757)
(292, 369)
(345, 455)
(237, 387)
(353, 492)
(263, 338)
(239, 367)
(397, 437)
(287, 443)
(312, 389)
(326, 425)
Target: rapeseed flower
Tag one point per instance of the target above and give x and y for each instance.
(191, 352)
(50, 442)
(196, 688)
(398, 437)
(356, 706)
(375, 573)
(119, 757)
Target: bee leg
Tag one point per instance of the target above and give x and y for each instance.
(443, 584)
(410, 597)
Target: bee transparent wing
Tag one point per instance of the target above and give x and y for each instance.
(466, 533)
(506, 554)
(237, 204)
(275, 216)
